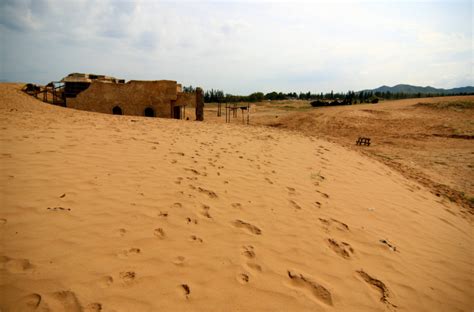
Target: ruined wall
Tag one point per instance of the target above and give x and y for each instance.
(132, 97)
(188, 99)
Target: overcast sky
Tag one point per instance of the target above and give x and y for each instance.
(241, 46)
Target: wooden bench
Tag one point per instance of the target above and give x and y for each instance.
(363, 141)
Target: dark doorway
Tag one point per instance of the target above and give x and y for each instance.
(149, 112)
(117, 110)
(177, 112)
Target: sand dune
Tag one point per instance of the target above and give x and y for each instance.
(124, 213)
(426, 139)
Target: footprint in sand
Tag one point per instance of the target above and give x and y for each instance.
(209, 193)
(379, 285)
(29, 302)
(268, 180)
(179, 261)
(205, 211)
(129, 252)
(160, 233)
(195, 172)
(105, 281)
(333, 224)
(295, 205)
(248, 251)
(58, 209)
(317, 178)
(237, 205)
(323, 194)
(194, 238)
(249, 227)
(191, 221)
(343, 249)
(65, 300)
(163, 214)
(127, 277)
(177, 205)
(93, 307)
(186, 290)
(121, 232)
(311, 287)
(243, 278)
(291, 190)
(15, 265)
(3, 221)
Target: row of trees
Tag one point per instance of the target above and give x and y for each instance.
(218, 96)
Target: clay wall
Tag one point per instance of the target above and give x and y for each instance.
(132, 97)
(188, 99)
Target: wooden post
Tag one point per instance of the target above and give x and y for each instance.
(248, 113)
(199, 105)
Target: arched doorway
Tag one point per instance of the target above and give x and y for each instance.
(149, 112)
(117, 110)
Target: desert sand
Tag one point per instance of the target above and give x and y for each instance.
(426, 139)
(124, 213)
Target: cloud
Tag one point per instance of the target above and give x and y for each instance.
(19, 15)
(241, 47)
(147, 40)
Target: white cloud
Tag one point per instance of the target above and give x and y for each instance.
(241, 47)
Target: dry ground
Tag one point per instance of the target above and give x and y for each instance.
(123, 213)
(429, 140)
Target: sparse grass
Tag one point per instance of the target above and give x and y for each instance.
(386, 157)
(455, 105)
(294, 108)
(471, 201)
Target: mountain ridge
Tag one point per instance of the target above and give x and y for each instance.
(411, 89)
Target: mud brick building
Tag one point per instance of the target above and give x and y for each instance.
(153, 98)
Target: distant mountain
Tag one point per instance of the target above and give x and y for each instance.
(404, 88)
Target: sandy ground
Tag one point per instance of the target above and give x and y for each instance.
(428, 139)
(123, 213)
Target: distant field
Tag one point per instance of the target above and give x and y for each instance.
(426, 139)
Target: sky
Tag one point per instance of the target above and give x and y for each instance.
(241, 47)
